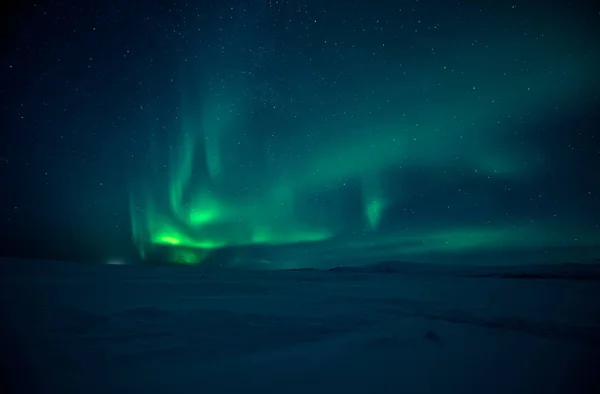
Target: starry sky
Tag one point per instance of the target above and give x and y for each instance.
(300, 132)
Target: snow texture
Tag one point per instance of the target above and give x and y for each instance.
(392, 328)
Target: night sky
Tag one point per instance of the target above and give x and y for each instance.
(310, 130)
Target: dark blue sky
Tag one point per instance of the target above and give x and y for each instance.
(370, 130)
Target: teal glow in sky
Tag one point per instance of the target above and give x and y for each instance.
(299, 131)
(311, 142)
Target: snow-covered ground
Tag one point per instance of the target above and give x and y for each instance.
(76, 328)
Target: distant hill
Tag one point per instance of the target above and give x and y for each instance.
(546, 271)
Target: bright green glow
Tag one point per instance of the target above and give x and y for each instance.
(201, 217)
(183, 240)
(374, 212)
(216, 189)
(168, 240)
(204, 210)
(374, 202)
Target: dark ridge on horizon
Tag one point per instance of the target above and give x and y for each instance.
(571, 271)
(566, 271)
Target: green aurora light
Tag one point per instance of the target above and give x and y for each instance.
(200, 193)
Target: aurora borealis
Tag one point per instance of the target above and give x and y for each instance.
(314, 131)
